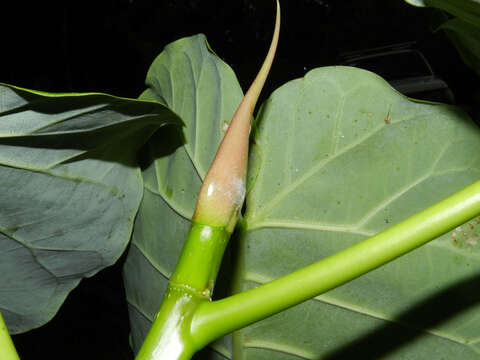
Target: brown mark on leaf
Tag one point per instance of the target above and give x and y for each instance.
(388, 118)
(467, 236)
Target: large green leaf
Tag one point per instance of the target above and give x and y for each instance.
(468, 10)
(70, 191)
(463, 30)
(204, 91)
(337, 156)
(466, 38)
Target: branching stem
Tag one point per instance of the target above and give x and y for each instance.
(215, 319)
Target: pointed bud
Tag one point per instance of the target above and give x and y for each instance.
(223, 191)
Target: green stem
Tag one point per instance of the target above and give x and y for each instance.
(169, 337)
(218, 205)
(200, 259)
(7, 349)
(190, 285)
(214, 319)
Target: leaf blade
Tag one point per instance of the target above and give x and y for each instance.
(315, 205)
(73, 191)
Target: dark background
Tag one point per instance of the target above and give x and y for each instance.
(108, 45)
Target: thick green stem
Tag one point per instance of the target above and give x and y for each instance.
(218, 205)
(7, 349)
(169, 337)
(214, 319)
(191, 284)
(200, 260)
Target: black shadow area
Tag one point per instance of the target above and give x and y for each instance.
(430, 313)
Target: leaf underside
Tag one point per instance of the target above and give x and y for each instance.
(70, 191)
(336, 157)
(339, 156)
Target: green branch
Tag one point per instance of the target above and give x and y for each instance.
(214, 319)
(191, 284)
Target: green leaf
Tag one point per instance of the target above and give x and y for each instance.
(464, 30)
(204, 91)
(70, 191)
(337, 156)
(467, 10)
(466, 38)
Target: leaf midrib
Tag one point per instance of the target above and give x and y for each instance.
(63, 176)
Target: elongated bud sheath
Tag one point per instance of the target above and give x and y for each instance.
(223, 190)
(219, 202)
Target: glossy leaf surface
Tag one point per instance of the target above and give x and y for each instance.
(70, 190)
(466, 38)
(337, 156)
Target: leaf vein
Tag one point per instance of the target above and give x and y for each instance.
(389, 200)
(313, 170)
(162, 271)
(307, 225)
(187, 215)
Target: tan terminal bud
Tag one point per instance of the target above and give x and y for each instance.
(223, 190)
